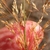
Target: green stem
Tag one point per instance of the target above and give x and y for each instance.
(24, 29)
(25, 33)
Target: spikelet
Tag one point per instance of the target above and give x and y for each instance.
(34, 6)
(14, 7)
(46, 6)
(46, 25)
(8, 25)
(1, 9)
(15, 10)
(40, 20)
(1, 6)
(43, 46)
(28, 1)
(44, 9)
